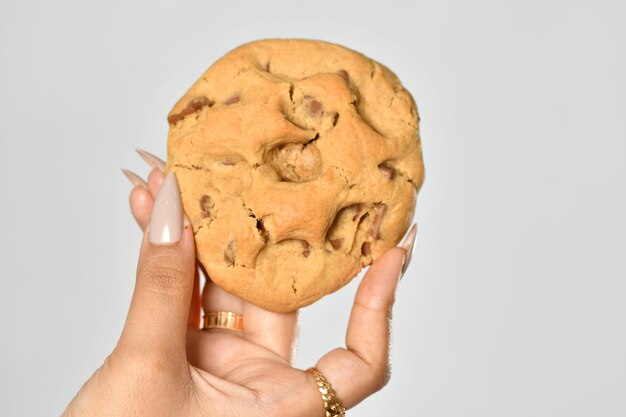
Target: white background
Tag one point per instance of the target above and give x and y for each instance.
(514, 302)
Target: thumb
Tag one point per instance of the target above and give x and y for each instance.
(158, 314)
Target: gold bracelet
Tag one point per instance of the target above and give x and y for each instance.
(332, 404)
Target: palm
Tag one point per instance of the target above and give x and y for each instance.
(234, 359)
(226, 354)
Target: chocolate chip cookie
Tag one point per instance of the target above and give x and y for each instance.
(299, 163)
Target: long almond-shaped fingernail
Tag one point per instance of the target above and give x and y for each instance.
(409, 245)
(135, 179)
(152, 160)
(166, 222)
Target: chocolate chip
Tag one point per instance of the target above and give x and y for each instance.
(195, 105)
(228, 162)
(357, 209)
(307, 248)
(232, 100)
(229, 253)
(336, 243)
(206, 204)
(387, 171)
(366, 248)
(314, 106)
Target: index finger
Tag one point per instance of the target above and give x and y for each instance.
(363, 368)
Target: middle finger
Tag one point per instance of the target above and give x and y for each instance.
(273, 331)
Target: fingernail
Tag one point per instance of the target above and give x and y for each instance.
(152, 160)
(409, 245)
(134, 178)
(166, 222)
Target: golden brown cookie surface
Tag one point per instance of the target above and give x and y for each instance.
(299, 163)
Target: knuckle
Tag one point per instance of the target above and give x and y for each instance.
(379, 376)
(374, 369)
(384, 379)
(164, 273)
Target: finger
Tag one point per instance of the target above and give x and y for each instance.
(195, 309)
(158, 169)
(152, 160)
(135, 179)
(215, 298)
(273, 331)
(141, 202)
(140, 198)
(159, 310)
(155, 179)
(362, 368)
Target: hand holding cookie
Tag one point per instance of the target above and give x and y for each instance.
(162, 366)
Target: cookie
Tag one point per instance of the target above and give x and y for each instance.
(299, 163)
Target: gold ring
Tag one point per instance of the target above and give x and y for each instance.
(223, 320)
(332, 404)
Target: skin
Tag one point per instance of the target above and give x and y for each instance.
(164, 365)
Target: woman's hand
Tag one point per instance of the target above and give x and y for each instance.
(163, 365)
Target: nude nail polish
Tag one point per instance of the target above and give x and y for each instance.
(152, 160)
(135, 179)
(409, 245)
(166, 222)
